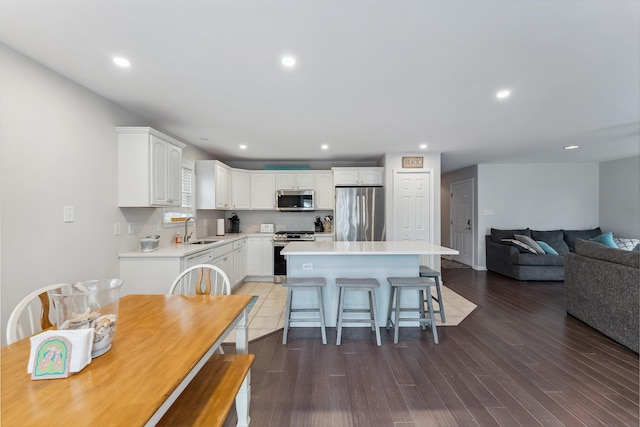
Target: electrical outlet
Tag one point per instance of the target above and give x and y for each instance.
(131, 227)
(307, 266)
(116, 229)
(69, 214)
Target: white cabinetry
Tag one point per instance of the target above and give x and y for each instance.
(324, 238)
(263, 190)
(149, 168)
(260, 256)
(213, 185)
(295, 180)
(324, 190)
(239, 262)
(223, 258)
(240, 189)
(358, 176)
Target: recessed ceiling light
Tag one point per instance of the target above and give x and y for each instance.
(423, 146)
(121, 62)
(571, 147)
(502, 94)
(288, 61)
(243, 147)
(324, 146)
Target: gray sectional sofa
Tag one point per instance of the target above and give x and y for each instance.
(510, 260)
(602, 286)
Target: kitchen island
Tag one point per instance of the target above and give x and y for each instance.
(356, 260)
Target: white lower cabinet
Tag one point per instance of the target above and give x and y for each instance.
(154, 275)
(324, 238)
(239, 262)
(260, 256)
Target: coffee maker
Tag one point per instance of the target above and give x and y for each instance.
(234, 223)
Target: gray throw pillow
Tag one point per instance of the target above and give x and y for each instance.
(529, 242)
(522, 247)
(554, 238)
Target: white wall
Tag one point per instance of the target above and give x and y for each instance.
(538, 196)
(620, 197)
(59, 148)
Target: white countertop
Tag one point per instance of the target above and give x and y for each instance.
(404, 247)
(173, 250)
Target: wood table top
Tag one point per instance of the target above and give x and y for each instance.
(158, 341)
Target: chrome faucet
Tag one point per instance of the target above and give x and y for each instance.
(186, 228)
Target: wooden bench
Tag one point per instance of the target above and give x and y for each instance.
(209, 397)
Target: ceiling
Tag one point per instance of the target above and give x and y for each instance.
(372, 77)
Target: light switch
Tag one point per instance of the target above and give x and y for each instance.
(132, 227)
(116, 229)
(69, 214)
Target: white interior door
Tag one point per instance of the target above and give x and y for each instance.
(462, 220)
(413, 208)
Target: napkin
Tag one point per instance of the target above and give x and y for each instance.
(81, 344)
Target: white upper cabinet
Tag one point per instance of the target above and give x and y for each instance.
(240, 189)
(213, 185)
(263, 190)
(295, 180)
(357, 176)
(324, 190)
(149, 168)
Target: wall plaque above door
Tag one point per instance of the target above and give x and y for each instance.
(413, 162)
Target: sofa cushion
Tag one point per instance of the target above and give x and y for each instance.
(537, 259)
(606, 239)
(570, 236)
(497, 235)
(599, 251)
(522, 247)
(529, 242)
(547, 248)
(554, 238)
(626, 244)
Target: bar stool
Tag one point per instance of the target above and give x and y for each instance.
(422, 285)
(368, 285)
(435, 275)
(304, 283)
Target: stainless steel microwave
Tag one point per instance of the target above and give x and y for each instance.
(295, 200)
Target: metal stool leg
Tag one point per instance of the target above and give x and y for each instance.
(321, 308)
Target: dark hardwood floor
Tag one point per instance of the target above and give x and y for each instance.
(517, 360)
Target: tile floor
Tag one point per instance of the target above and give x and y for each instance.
(267, 314)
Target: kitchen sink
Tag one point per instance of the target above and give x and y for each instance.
(203, 242)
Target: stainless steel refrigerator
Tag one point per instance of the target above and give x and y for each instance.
(359, 214)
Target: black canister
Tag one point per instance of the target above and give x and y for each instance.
(234, 223)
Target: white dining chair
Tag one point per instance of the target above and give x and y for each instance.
(32, 315)
(201, 279)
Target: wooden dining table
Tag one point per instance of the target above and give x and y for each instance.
(160, 345)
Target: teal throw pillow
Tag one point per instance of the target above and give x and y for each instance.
(546, 248)
(605, 239)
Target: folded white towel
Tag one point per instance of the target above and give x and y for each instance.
(81, 344)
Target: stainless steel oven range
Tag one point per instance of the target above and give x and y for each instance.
(280, 240)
